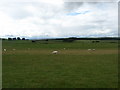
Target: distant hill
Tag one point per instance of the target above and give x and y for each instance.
(75, 38)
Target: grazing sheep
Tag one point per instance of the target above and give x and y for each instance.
(93, 49)
(64, 48)
(5, 49)
(54, 52)
(89, 49)
(14, 49)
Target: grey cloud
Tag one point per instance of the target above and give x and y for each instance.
(91, 0)
(69, 6)
(99, 21)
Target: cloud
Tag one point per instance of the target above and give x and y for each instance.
(70, 6)
(41, 19)
(94, 1)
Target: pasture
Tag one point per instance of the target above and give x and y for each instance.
(32, 65)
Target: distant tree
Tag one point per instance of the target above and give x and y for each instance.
(46, 39)
(33, 41)
(9, 38)
(18, 38)
(72, 37)
(3, 39)
(68, 40)
(95, 41)
(23, 38)
(14, 38)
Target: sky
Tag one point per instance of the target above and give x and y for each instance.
(35, 19)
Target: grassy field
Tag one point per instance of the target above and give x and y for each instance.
(32, 65)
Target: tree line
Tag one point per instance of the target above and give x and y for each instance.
(15, 38)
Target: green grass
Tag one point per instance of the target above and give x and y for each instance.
(74, 67)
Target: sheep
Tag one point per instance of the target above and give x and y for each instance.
(14, 49)
(5, 49)
(54, 52)
(64, 48)
(89, 49)
(93, 49)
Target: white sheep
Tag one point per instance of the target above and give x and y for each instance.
(89, 49)
(54, 52)
(14, 49)
(5, 49)
(93, 49)
(64, 48)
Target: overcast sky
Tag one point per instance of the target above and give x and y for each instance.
(57, 18)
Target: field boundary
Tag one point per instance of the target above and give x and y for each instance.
(0, 64)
